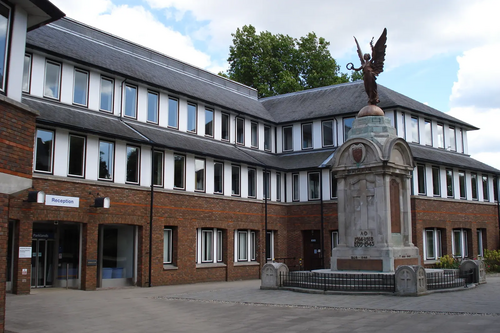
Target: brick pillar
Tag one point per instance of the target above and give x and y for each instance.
(90, 241)
(23, 234)
(4, 233)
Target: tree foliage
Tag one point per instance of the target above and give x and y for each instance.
(279, 64)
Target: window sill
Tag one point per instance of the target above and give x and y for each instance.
(210, 265)
(246, 263)
(169, 267)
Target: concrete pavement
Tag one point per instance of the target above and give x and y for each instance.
(242, 307)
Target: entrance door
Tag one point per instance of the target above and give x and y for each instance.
(312, 249)
(42, 268)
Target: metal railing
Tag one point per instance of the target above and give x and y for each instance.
(449, 278)
(338, 282)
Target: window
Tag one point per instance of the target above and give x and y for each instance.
(403, 119)
(167, 246)
(130, 101)
(460, 141)
(244, 246)
(218, 177)
(307, 136)
(107, 86)
(452, 143)
(240, 131)
(278, 186)
(295, 187)
(106, 159)
(449, 183)
(440, 136)
(179, 170)
(287, 138)
(173, 112)
(267, 185)
(335, 239)
(133, 158)
(158, 168)
(235, 180)
(267, 138)
(209, 122)
(76, 156)
(313, 185)
(199, 174)
(153, 107)
(80, 87)
(347, 126)
(432, 244)
(52, 79)
(461, 183)
(252, 183)
(4, 41)
(481, 235)
(191, 117)
(209, 245)
(44, 150)
(460, 244)
(473, 183)
(414, 130)
(495, 189)
(270, 245)
(334, 186)
(436, 184)
(27, 73)
(225, 127)
(254, 127)
(327, 132)
(427, 132)
(421, 178)
(486, 196)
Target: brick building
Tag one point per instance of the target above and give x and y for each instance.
(155, 172)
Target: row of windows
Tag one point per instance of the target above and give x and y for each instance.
(52, 88)
(460, 242)
(210, 245)
(438, 140)
(450, 187)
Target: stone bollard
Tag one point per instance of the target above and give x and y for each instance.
(410, 280)
(270, 278)
(478, 270)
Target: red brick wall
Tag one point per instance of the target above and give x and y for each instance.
(451, 214)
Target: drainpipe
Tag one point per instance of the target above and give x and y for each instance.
(151, 218)
(265, 209)
(322, 244)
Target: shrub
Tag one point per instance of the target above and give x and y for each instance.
(447, 261)
(492, 260)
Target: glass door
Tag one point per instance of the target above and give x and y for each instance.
(42, 267)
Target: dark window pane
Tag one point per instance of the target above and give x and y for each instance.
(76, 155)
(106, 157)
(133, 164)
(44, 148)
(179, 171)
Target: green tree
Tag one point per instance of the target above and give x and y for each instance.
(279, 64)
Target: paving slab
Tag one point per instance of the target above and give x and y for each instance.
(241, 306)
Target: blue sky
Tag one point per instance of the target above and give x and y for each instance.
(438, 51)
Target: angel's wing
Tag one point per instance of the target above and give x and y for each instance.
(360, 54)
(378, 54)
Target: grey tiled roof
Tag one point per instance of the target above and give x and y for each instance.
(447, 158)
(346, 98)
(94, 48)
(60, 115)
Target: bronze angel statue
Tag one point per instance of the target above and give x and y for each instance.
(372, 66)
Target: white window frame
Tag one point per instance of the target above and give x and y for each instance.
(436, 181)
(414, 130)
(249, 252)
(112, 161)
(335, 239)
(171, 112)
(323, 136)
(283, 130)
(295, 187)
(87, 74)
(51, 157)
(209, 126)
(167, 246)
(271, 235)
(199, 162)
(216, 248)
(83, 153)
(460, 250)
(252, 183)
(58, 83)
(7, 47)
(189, 115)
(278, 186)
(480, 245)
(183, 172)
(162, 157)
(221, 177)
(266, 185)
(138, 166)
(112, 93)
(267, 138)
(233, 169)
(436, 236)
(440, 135)
(134, 105)
(227, 125)
(427, 132)
(155, 107)
(27, 73)
(240, 125)
(310, 190)
(254, 134)
(307, 143)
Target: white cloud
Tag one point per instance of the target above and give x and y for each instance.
(475, 99)
(137, 25)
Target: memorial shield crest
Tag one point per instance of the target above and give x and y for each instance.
(358, 153)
